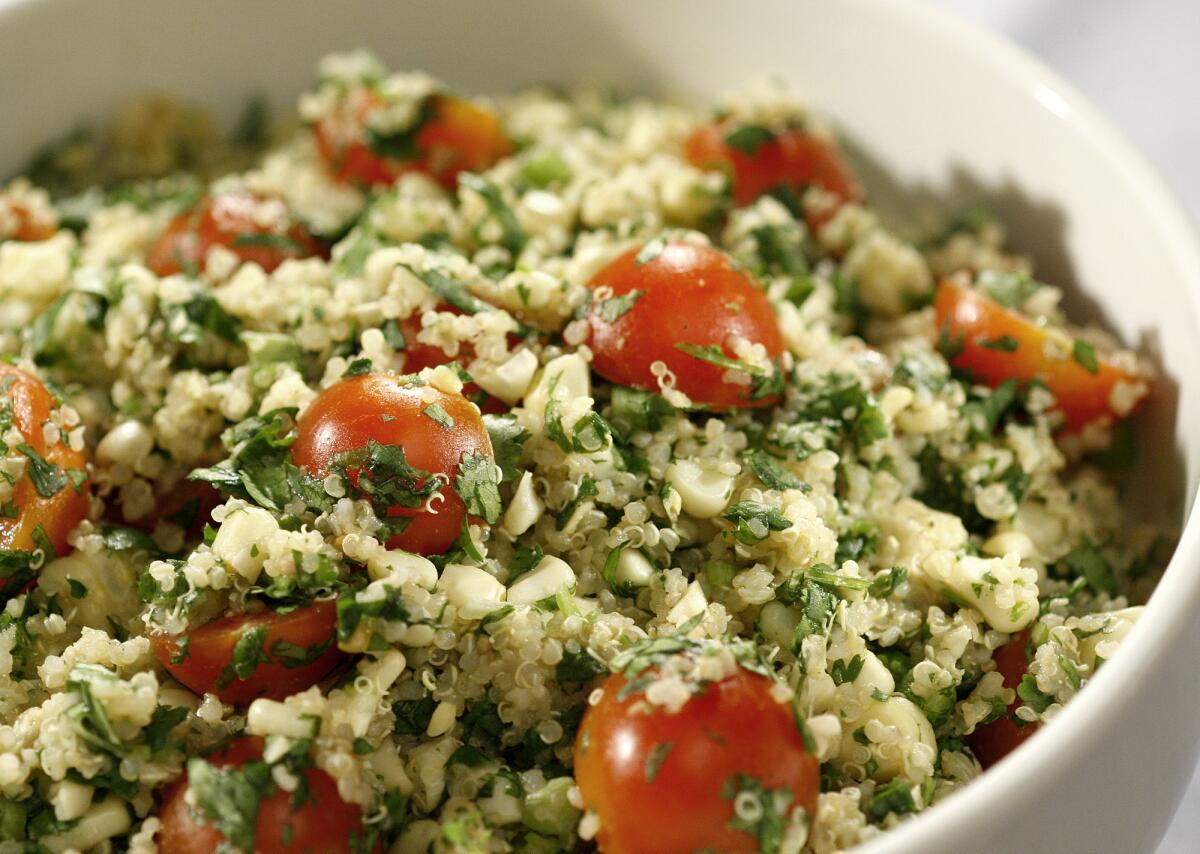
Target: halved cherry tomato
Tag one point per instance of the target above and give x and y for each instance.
(256, 229)
(789, 158)
(687, 295)
(665, 782)
(435, 429)
(993, 741)
(60, 471)
(18, 222)
(997, 344)
(202, 659)
(417, 356)
(319, 823)
(456, 136)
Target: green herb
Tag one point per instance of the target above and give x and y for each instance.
(351, 612)
(544, 170)
(524, 560)
(773, 475)
(78, 589)
(1032, 695)
(842, 403)
(48, 478)
(647, 653)
(846, 671)
(938, 706)
(513, 236)
(614, 308)
(292, 655)
(1004, 344)
(385, 475)
(476, 485)
(714, 355)
(1085, 354)
(158, 732)
(886, 582)
(754, 521)
(508, 440)
(358, 368)
(825, 574)
(816, 602)
(200, 315)
(610, 573)
(120, 539)
(229, 797)
(413, 716)
(779, 247)
(858, 543)
(651, 250)
(587, 489)
(88, 717)
(774, 805)
(654, 761)
(438, 415)
(577, 667)
(248, 653)
(1011, 290)
(895, 797)
(749, 138)
(268, 241)
(448, 290)
(641, 410)
(1085, 560)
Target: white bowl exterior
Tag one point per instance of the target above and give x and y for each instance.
(938, 106)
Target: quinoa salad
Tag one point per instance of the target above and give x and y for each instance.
(557, 471)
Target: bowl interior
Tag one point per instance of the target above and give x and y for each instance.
(937, 115)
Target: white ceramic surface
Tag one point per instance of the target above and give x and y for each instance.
(938, 111)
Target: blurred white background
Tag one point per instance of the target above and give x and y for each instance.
(1139, 62)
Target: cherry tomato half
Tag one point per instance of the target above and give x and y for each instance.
(997, 344)
(255, 229)
(456, 136)
(993, 741)
(687, 295)
(321, 824)
(52, 493)
(298, 646)
(787, 158)
(435, 429)
(18, 222)
(665, 782)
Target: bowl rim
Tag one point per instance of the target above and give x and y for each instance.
(1176, 596)
(1171, 607)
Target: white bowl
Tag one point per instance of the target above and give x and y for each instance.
(943, 110)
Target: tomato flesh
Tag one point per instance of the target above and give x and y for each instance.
(20, 223)
(208, 654)
(457, 136)
(257, 230)
(687, 294)
(31, 406)
(323, 823)
(350, 413)
(790, 158)
(993, 741)
(662, 782)
(974, 324)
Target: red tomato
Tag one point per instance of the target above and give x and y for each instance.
(18, 222)
(347, 415)
(255, 229)
(322, 824)
(31, 405)
(1026, 353)
(456, 136)
(418, 356)
(993, 741)
(791, 158)
(691, 295)
(663, 782)
(208, 653)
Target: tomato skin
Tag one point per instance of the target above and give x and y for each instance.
(689, 294)
(348, 414)
(29, 228)
(792, 158)
(324, 824)
(992, 742)
(733, 727)
(1080, 395)
(210, 650)
(31, 406)
(221, 221)
(458, 136)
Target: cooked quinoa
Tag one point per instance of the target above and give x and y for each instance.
(867, 534)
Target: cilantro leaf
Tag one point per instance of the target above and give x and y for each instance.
(476, 485)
